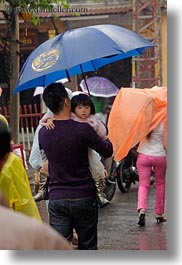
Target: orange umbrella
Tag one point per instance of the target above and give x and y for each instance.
(135, 112)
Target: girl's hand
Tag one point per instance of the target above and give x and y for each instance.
(93, 124)
(50, 124)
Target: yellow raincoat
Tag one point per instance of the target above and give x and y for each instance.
(15, 186)
(135, 113)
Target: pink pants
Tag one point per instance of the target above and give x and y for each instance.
(144, 166)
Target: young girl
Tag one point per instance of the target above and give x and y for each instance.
(83, 110)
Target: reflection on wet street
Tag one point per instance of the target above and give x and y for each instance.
(118, 228)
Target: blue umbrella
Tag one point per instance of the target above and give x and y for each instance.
(78, 51)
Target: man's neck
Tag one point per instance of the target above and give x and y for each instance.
(62, 116)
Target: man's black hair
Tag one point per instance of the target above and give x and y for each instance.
(54, 96)
(5, 139)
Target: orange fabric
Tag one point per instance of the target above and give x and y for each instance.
(136, 112)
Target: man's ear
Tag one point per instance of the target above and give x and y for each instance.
(67, 102)
(3, 161)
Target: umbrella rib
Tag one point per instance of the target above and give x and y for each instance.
(93, 65)
(68, 76)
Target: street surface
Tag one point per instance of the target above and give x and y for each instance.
(117, 227)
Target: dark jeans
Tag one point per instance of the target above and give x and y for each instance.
(81, 214)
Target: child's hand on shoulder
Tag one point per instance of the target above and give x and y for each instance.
(50, 124)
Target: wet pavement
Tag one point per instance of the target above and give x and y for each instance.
(117, 227)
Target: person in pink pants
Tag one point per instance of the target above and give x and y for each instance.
(152, 156)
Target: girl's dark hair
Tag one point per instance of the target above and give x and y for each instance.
(5, 139)
(54, 96)
(82, 99)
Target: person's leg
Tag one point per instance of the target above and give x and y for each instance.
(60, 217)
(108, 164)
(160, 172)
(85, 213)
(98, 174)
(42, 193)
(144, 171)
(100, 192)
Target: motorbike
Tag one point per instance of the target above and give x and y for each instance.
(125, 173)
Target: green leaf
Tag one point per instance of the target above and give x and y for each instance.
(35, 20)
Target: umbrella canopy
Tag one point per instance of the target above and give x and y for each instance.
(78, 51)
(99, 87)
(135, 112)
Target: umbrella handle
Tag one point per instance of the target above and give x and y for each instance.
(85, 80)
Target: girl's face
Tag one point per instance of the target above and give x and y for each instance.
(82, 112)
